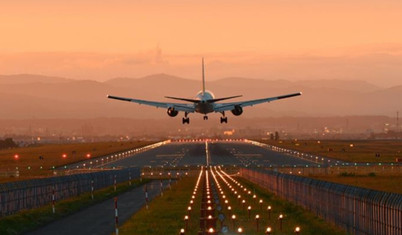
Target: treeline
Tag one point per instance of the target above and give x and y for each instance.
(7, 143)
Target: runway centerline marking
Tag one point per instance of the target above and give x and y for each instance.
(207, 156)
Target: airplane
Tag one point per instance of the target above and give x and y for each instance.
(204, 103)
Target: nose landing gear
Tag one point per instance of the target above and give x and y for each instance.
(224, 119)
(186, 119)
(205, 117)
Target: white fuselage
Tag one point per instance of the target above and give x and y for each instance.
(204, 106)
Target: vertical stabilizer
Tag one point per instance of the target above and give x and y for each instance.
(203, 77)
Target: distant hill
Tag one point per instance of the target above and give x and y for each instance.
(351, 85)
(35, 96)
(30, 78)
(159, 79)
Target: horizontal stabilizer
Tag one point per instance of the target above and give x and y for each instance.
(224, 98)
(183, 99)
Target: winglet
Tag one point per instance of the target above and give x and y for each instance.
(288, 96)
(118, 98)
(203, 77)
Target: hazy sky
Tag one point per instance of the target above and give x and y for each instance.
(79, 37)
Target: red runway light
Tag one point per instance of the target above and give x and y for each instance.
(16, 156)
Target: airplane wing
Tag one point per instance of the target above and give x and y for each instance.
(177, 106)
(220, 107)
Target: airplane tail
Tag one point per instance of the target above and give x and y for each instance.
(203, 77)
(203, 92)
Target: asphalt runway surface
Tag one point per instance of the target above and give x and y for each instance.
(100, 218)
(220, 153)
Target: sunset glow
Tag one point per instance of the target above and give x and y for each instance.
(100, 40)
(281, 46)
(186, 27)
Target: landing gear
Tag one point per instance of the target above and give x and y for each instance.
(186, 120)
(224, 119)
(205, 117)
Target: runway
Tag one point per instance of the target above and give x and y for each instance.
(219, 153)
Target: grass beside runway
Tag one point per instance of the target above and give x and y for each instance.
(346, 150)
(293, 215)
(30, 165)
(30, 220)
(372, 177)
(165, 214)
(377, 182)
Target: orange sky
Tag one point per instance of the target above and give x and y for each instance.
(288, 26)
(34, 33)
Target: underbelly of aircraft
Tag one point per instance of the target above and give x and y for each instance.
(204, 108)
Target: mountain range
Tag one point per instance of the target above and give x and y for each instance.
(35, 96)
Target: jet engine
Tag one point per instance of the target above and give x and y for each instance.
(238, 110)
(172, 112)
